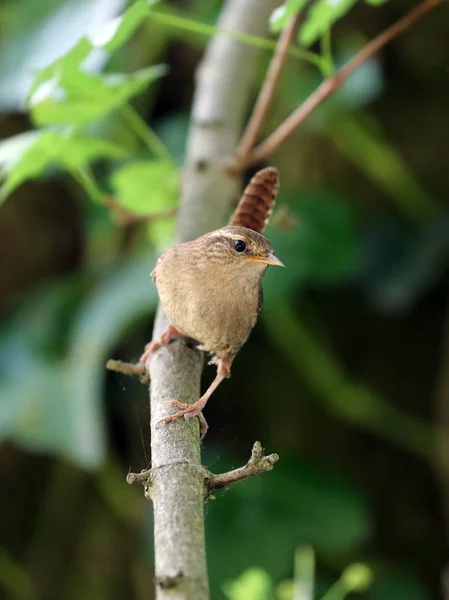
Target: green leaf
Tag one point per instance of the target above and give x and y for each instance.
(113, 34)
(149, 187)
(12, 149)
(253, 584)
(282, 14)
(40, 33)
(321, 16)
(77, 98)
(376, 2)
(320, 249)
(47, 79)
(46, 149)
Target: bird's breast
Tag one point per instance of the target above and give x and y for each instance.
(213, 306)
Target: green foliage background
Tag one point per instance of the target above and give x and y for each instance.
(345, 374)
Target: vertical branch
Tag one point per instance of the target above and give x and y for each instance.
(177, 486)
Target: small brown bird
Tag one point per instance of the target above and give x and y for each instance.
(210, 289)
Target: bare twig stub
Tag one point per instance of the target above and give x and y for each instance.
(331, 84)
(257, 464)
(128, 369)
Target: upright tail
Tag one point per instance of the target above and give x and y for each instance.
(256, 205)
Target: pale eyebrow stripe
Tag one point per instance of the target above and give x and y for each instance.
(231, 236)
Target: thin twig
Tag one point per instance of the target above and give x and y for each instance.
(331, 84)
(128, 369)
(128, 217)
(266, 93)
(257, 464)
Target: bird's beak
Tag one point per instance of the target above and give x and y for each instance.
(268, 259)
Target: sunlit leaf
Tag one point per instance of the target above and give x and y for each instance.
(39, 33)
(321, 16)
(253, 584)
(12, 149)
(50, 148)
(78, 98)
(376, 2)
(149, 187)
(116, 32)
(282, 14)
(321, 248)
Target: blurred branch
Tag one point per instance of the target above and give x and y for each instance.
(257, 464)
(267, 91)
(330, 85)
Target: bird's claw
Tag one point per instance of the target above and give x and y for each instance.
(187, 411)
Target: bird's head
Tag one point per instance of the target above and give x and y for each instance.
(241, 248)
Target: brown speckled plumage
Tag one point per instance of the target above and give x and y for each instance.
(210, 288)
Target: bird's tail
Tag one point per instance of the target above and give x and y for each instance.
(256, 205)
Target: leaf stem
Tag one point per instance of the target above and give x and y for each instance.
(87, 182)
(146, 134)
(327, 61)
(245, 38)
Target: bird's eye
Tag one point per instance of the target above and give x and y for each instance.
(240, 245)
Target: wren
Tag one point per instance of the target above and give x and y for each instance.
(211, 288)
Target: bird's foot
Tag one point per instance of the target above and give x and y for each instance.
(167, 336)
(188, 411)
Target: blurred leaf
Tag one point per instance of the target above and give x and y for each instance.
(321, 249)
(78, 98)
(283, 13)
(41, 32)
(46, 148)
(113, 34)
(362, 141)
(146, 186)
(401, 266)
(398, 586)
(358, 577)
(12, 149)
(304, 574)
(57, 406)
(297, 504)
(149, 187)
(376, 2)
(321, 16)
(349, 400)
(253, 584)
(363, 86)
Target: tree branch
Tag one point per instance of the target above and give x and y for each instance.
(224, 84)
(267, 91)
(257, 464)
(331, 84)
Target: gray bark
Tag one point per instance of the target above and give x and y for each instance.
(224, 84)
